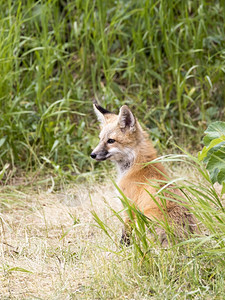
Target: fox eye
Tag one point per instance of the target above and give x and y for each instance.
(111, 141)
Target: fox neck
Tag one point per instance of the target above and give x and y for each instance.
(126, 164)
(135, 165)
(134, 159)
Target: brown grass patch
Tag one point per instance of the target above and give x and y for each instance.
(49, 242)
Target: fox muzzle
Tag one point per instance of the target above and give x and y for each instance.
(101, 155)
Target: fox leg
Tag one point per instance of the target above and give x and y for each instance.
(162, 237)
(126, 234)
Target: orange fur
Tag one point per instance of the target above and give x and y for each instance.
(132, 151)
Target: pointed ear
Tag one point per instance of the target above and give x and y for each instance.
(100, 113)
(126, 119)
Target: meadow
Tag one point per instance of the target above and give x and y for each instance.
(59, 232)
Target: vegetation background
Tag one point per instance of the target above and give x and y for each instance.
(166, 60)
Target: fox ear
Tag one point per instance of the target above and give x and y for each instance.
(126, 119)
(100, 113)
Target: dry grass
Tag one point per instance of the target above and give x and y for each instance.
(49, 245)
(51, 248)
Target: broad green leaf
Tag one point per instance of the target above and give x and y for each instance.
(216, 166)
(212, 151)
(213, 154)
(217, 160)
(214, 131)
(221, 175)
(212, 144)
(213, 174)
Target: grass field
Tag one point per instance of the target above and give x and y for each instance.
(52, 248)
(59, 236)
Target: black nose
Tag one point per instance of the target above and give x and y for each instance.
(93, 155)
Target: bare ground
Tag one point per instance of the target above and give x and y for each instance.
(50, 246)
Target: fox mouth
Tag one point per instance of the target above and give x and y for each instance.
(102, 158)
(99, 157)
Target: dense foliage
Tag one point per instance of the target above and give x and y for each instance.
(163, 58)
(213, 154)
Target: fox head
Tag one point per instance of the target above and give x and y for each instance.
(119, 135)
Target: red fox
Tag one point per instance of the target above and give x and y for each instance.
(123, 141)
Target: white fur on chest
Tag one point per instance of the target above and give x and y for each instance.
(124, 165)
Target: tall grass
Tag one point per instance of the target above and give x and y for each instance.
(163, 58)
(193, 266)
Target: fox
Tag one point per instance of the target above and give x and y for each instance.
(123, 141)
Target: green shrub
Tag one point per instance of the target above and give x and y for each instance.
(163, 58)
(213, 154)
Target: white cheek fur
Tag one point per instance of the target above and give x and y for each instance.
(126, 154)
(124, 159)
(114, 150)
